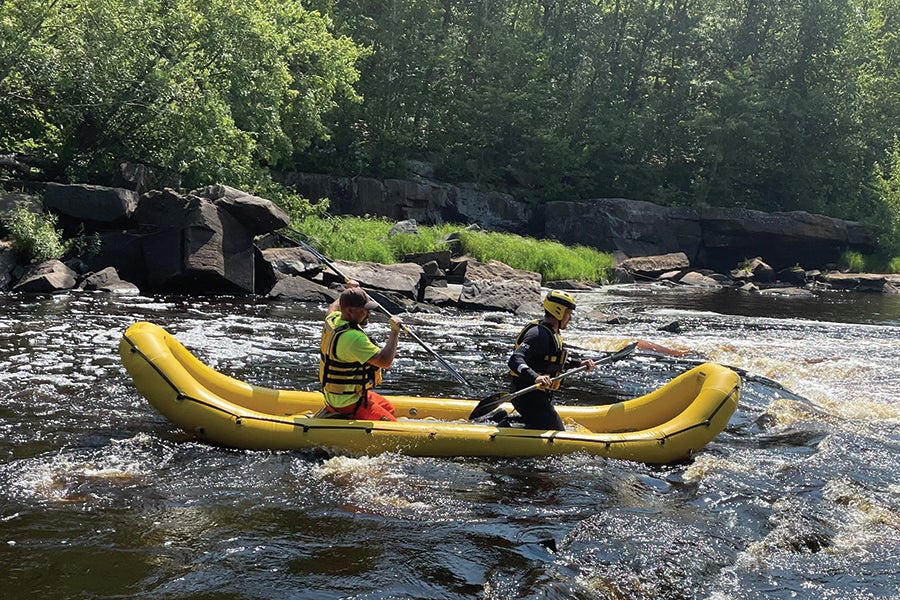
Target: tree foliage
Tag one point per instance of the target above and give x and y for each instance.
(202, 90)
(753, 103)
(762, 104)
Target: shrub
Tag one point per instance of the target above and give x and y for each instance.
(853, 261)
(894, 265)
(34, 237)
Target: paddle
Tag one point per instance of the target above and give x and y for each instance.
(456, 374)
(488, 404)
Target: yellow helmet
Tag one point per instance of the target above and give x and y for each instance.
(557, 302)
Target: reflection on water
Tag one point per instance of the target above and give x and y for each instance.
(796, 498)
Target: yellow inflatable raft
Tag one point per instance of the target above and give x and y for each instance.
(665, 426)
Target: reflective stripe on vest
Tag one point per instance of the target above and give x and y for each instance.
(341, 377)
(551, 363)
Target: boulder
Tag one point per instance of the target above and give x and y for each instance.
(293, 261)
(795, 275)
(495, 285)
(94, 206)
(651, 266)
(108, 280)
(191, 245)
(442, 296)
(301, 290)
(756, 269)
(46, 278)
(786, 292)
(697, 279)
(257, 215)
(441, 257)
(407, 227)
(433, 274)
(405, 279)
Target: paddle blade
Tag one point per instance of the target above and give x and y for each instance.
(620, 354)
(488, 405)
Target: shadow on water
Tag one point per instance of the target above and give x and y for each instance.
(796, 498)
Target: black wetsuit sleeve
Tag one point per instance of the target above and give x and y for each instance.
(528, 355)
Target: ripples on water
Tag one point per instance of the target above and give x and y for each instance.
(797, 498)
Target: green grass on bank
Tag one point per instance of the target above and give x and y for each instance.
(356, 238)
(855, 262)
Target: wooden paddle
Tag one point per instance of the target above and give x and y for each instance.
(486, 405)
(456, 374)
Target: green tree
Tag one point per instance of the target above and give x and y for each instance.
(887, 179)
(206, 90)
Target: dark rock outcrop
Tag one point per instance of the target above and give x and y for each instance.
(257, 215)
(191, 243)
(715, 238)
(93, 207)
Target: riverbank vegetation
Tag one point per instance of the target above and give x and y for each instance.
(356, 238)
(768, 105)
(34, 237)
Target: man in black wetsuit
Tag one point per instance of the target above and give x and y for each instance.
(538, 356)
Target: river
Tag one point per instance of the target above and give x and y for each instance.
(797, 498)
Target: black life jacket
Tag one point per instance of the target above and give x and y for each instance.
(550, 363)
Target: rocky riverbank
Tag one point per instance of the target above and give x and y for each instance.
(220, 240)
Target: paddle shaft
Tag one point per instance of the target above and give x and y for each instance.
(615, 356)
(535, 386)
(456, 374)
(488, 404)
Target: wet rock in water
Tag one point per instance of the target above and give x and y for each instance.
(673, 327)
(301, 290)
(46, 278)
(697, 279)
(787, 292)
(655, 265)
(108, 280)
